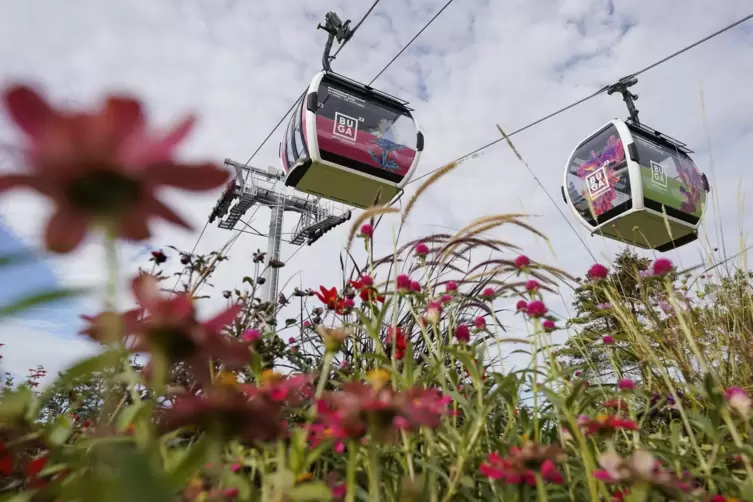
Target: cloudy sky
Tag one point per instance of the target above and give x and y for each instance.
(239, 65)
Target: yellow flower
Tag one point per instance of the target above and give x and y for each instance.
(378, 378)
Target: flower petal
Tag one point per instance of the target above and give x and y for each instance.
(123, 116)
(65, 230)
(177, 135)
(146, 290)
(221, 320)
(157, 208)
(197, 177)
(14, 181)
(133, 225)
(29, 110)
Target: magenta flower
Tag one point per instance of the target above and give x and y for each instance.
(521, 306)
(422, 249)
(367, 231)
(536, 308)
(522, 261)
(608, 339)
(451, 286)
(662, 266)
(598, 271)
(403, 283)
(251, 336)
(433, 312)
(626, 384)
(366, 281)
(446, 298)
(548, 325)
(480, 322)
(488, 293)
(349, 303)
(532, 286)
(415, 286)
(462, 333)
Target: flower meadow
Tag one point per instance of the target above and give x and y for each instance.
(392, 387)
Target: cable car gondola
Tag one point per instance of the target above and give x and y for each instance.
(347, 141)
(633, 184)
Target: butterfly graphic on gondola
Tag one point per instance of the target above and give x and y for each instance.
(387, 142)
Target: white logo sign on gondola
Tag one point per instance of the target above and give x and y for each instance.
(658, 175)
(345, 127)
(597, 182)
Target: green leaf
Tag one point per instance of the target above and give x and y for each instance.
(136, 480)
(290, 322)
(38, 299)
(310, 492)
(59, 430)
(184, 464)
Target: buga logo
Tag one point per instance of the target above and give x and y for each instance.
(345, 127)
(597, 182)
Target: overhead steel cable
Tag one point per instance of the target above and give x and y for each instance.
(593, 95)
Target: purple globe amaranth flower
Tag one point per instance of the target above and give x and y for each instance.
(421, 249)
(367, 231)
(522, 261)
(521, 306)
(536, 308)
(349, 303)
(532, 286)
(598, 271)
(445, 298)
(662, 266)
(625, 384)
(451, 286)
(480, 322)
(403, 283)
(488, 293)
(415, 286)
(463, 334)
(608, 339)
(433, 312)
(548, 325)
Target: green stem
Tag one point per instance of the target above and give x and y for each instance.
(324, 374)
(350, 495)
(374, 474)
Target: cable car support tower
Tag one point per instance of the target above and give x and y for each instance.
(253, 186)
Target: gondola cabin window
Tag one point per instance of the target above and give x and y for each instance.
(360, 131)
(670, 178)
(597, 182)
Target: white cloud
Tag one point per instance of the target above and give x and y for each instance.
(240, 65)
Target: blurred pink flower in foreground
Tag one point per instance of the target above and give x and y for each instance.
(101, 168)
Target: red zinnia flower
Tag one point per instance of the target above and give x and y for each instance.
(101, 168)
